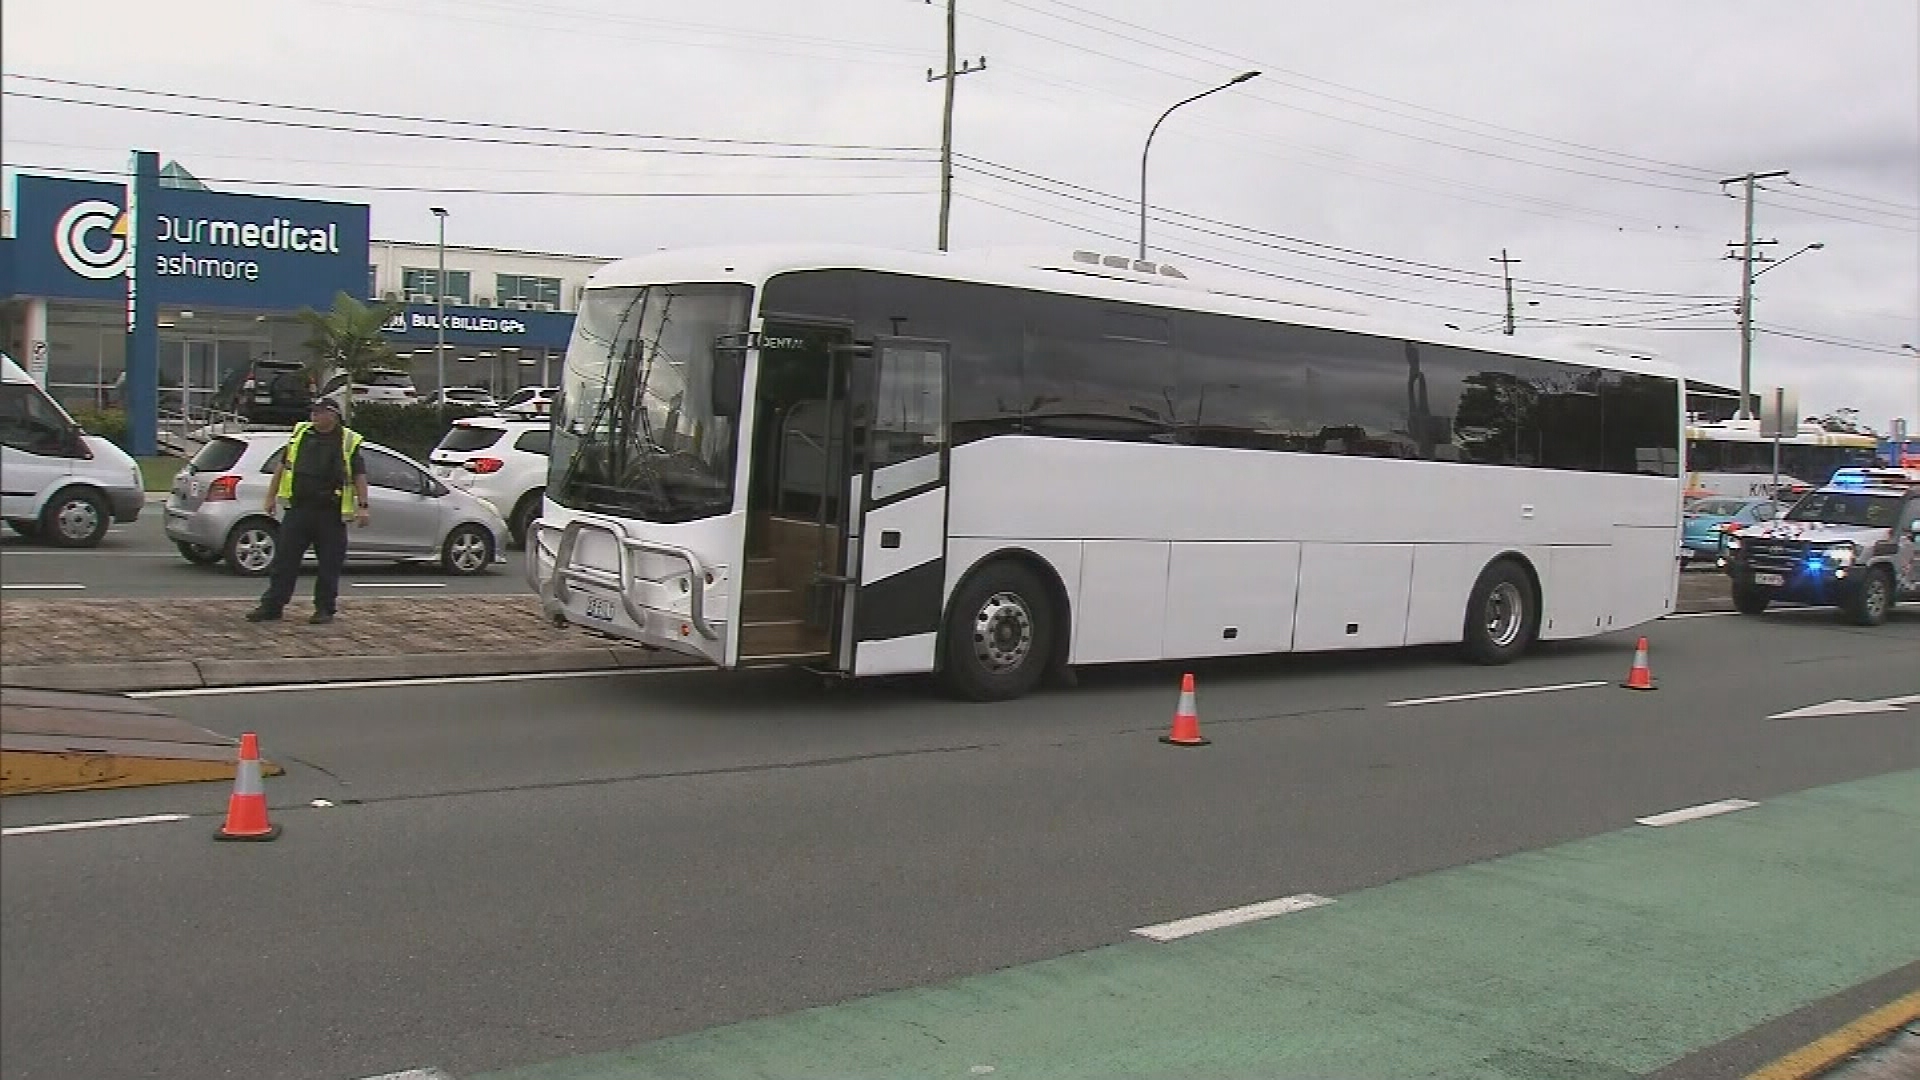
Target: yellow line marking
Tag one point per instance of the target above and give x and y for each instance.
(1822, 1054)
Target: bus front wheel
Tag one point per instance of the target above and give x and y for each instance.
(1503, 614)
(999, 634)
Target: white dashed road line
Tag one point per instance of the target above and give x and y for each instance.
(42, 587)
(1695, 813)
(99, 823)
(1200, 924)
(1495, 694)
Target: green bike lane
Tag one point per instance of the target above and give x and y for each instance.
(1604, 958)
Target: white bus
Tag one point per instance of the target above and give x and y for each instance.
(875, 463)
(1730, 458)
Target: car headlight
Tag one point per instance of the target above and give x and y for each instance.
(1733, 541)
(1840, 554)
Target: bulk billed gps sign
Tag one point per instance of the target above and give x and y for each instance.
(210, 249)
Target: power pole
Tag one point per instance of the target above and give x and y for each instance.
(1506, 275)
(951, 75)
(1747, 244)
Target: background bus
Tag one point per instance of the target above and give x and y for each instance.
(1730, 458)
(880, 463)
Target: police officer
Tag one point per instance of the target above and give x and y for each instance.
(324, 483)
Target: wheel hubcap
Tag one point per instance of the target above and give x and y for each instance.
(1003, 633)
(1506, 613)
(78, 519)
(254, 550)
(469, 551)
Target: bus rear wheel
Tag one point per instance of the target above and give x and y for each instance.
(1503, 614)
(999, 634)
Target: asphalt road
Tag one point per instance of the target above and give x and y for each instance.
(138, 561)
(513, 872)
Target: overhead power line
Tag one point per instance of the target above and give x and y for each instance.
(676, 151)
(1352, 96)
(436, 189)
(489, 125)
(1830, 339)
(1483, 277)
(1286, 75)
(1690, 174)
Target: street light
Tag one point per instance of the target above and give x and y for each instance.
(440, 308)
(1746, 327)
(1802, 251)
(1235, 81)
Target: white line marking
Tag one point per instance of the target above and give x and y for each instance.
(1496, 694)
(1200, 924)
(399, 584)
(43, 586)
(101, 823)
(1695, 813)
(1850, 707)
(10, 553)
(1699, 614)
(414, 1074)
(431, 680)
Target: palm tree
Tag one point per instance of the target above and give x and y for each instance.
(349, 340)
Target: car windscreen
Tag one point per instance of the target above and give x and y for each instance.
(1717, 507)
(1847, 508)
(389, 378)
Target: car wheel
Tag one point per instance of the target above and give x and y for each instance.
(1868, 606)
(999, 635)
(1750, 601)
(198, 554)
(75, 518)
(468, 550)
(250, 547)
(524, 516)
(1502, 614)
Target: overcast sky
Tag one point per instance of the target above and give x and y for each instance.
(1584, 137)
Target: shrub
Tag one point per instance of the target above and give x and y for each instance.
(109, 424)
(414, 430)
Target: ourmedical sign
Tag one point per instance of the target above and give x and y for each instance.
(204, 248)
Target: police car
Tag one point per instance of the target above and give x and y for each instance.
(1853, 543)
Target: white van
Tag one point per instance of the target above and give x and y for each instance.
(56, 481)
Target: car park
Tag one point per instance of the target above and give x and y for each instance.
(216, 511)
(500, 459)
(1853, 543)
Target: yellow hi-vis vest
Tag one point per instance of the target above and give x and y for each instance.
(349, 442)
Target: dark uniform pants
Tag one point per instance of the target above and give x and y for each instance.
(301, 527)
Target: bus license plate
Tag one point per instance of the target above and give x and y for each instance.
(1769, 579)
(600, 607)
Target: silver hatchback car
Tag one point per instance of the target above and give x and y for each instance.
(214, 512)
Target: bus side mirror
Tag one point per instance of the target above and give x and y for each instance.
(725, 386)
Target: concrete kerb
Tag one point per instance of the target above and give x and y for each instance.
(140, 676)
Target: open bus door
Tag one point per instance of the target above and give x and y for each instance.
(894, 582)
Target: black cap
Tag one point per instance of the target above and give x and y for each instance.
(328, 404)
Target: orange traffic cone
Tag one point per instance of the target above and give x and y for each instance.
(1641, 676)
(247, 806)
(1186, 719)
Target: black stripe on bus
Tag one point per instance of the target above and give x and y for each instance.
(905, 604)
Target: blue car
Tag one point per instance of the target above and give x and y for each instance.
(1709, 520)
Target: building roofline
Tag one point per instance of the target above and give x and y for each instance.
(484, 249)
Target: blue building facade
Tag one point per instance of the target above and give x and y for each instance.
(153, 294)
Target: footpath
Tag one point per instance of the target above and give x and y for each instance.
(123, 646)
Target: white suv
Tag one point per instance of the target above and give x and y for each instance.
(502, 460)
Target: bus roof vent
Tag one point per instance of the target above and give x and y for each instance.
(1122, 262)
